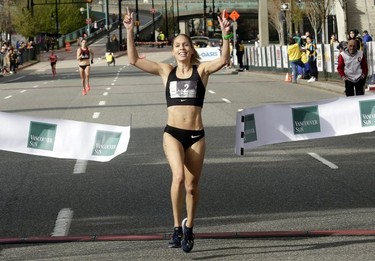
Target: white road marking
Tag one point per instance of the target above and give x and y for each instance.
(105, 93)
(323, 160)
(226, 100)
(63, 221)
(96, 115)
(211, 92)
(101, 103)
(112, 84)
(23, 91)
(108, 88)
(80, 167)
(35, 86)
(8, 97)
(15, 79)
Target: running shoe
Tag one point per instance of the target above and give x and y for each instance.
(88, 88)
(175, 241)
(84, 92)
(188, 238)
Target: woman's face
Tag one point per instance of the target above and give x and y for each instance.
(182, 48)
(83, 43)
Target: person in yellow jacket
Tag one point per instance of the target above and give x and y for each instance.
(295, 54)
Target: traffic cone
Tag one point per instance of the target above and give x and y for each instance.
(288, 78)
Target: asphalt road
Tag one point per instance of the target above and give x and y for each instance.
(274, 203)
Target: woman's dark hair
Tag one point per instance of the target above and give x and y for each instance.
(292, 40)
(195, 57)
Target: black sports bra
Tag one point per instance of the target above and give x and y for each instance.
(85, 54)
(190, 91)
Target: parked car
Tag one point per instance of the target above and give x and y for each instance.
(200, 41)
(204, 41)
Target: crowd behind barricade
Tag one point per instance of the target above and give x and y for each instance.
(14, 56)
(307, 57)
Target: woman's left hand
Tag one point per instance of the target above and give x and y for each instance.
(224, 23)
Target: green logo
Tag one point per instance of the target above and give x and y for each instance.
(106, 143)
(250, 128)
(367, 109)
(41, 136)
(306, 120)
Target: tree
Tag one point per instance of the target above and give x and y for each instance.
(277, 19)
(317, 12)
(43, 19)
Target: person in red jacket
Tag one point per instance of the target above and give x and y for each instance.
(353, 69)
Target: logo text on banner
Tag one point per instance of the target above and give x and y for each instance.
(306, 120)
(41, 136)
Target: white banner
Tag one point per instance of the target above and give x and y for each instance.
(62, 138)
(208, 53)
(278, 123)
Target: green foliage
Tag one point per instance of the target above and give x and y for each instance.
(43, 19)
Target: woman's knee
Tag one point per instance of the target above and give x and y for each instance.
(191, 189)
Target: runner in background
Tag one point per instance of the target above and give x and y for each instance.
(53, 60)
(84, 56)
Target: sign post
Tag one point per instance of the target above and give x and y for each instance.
(234, 16)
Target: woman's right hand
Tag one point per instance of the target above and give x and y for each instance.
(128, 20)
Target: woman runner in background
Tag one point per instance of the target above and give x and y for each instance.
(84, 56)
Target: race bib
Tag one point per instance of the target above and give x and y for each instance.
(183, 89)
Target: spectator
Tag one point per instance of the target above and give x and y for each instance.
(240, 48)
(366, 37)
(354, 34)
(295, 54)
(353, 69)
(333, 40)
(13, 58)
(2, 60)
(161, 38)
(110, 58)
(311, 53)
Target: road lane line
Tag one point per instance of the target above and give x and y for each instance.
(16, 79)
(101, 103)
(210, 91)
(226, 100)
(80, 167)
(8, 97)
(63, 221)
(96, 115)
(323, 160)
(105, 93)
(23, 91)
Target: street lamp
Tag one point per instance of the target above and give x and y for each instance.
(153, 20)
(88, 22)
(56, 18)
(204, 17)
(284, 8)
(178, 18)
(213, 17)
(119, 26)
(136, 19)
(166, 20)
